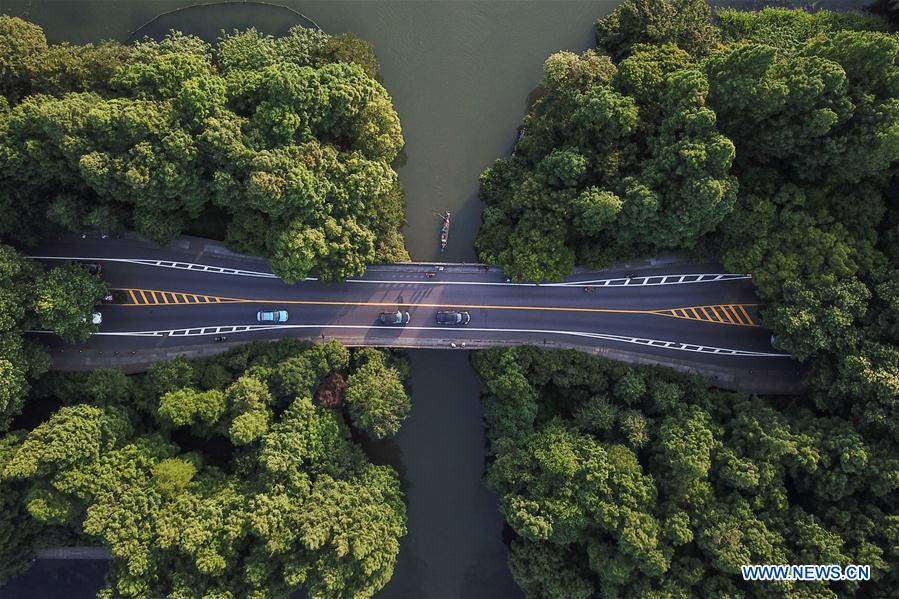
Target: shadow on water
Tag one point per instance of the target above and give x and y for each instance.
(535, 95)
(384, 452)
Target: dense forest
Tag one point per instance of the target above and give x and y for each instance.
(769, 141)
(642, 482)
(280, 146)
(233, 476)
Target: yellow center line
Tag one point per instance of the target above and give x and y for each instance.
(191, 299)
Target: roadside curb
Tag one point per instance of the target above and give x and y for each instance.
(734, 379)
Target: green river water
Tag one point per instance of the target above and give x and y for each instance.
(460, 74)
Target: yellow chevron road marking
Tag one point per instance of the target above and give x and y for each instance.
(153, 297)
(732, 314)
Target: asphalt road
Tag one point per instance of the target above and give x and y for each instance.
(698, 316)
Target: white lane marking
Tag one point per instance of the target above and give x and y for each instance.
(662, 344)
(617, 282)
(654, 280)
(220, 270)
(646, 280)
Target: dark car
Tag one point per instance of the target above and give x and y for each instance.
(397, 317)
(451, 318)
(94, 268)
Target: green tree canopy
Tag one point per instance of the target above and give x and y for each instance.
(249, 502)
(287, 142)
(375, 396)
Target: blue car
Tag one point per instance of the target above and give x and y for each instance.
(271, 316)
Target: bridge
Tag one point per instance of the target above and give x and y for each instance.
(693, 317)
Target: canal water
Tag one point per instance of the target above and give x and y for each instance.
(460, 74)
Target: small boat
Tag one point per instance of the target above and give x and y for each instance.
(444, 230)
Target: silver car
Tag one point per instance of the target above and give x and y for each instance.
(274, 316)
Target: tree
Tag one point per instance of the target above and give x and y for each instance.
(165, 377)
(64, 300)
(683, 22)
(246, 50)
(372, 518)
(543, 570)
(22, 45)
(346, 47)
(535, 253)
(248, 400)
(375, 396)
(811, 320)
(201, 410)
(562, 168)
(596, 209)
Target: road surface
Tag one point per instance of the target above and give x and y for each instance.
(694, 317)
